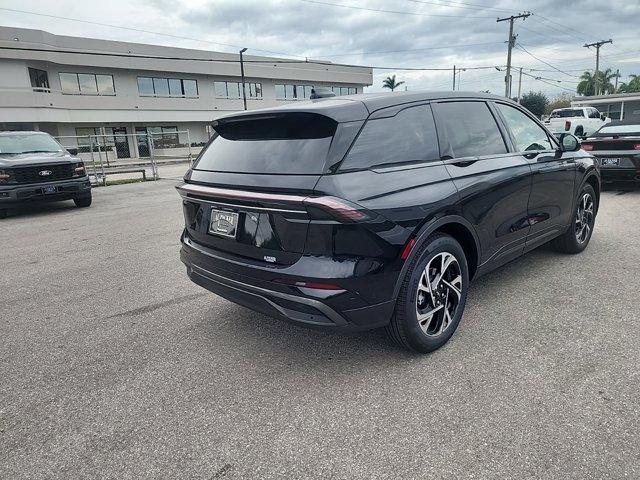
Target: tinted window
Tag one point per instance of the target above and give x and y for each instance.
(470, 130)
(527, 133)
(593, 113)
(409, 136)
(39, 79)
(293, 143)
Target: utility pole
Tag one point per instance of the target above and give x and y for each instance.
(454, 78)
(511, 43)
(597, 45)
(520, 85)
(244, 90)
(615, 89)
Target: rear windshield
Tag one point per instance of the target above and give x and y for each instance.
(619, 130)
(567, 113)
(290, 143)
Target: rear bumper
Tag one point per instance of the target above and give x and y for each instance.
(336, 311)
(614, 174)
(34, 192)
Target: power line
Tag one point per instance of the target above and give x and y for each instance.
(410, 50)
(512, 40)
(521, 47)
(461, 5)
(400, 12)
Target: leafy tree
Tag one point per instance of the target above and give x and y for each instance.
(587, 85)
(561, 101)
(390, 83)
(535, 102)
(632, 86)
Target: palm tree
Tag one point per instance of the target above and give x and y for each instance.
(390, 83)
(587, 85)
(632, 86)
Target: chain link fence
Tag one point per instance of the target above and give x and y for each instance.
(130, 153)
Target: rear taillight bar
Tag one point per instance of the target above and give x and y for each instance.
(337, 208)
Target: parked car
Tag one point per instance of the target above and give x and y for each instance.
(373, 211)
(34, 167)
(617, 147)
(580, 121)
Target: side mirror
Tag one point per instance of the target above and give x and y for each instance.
(569, 143)
(73, 152)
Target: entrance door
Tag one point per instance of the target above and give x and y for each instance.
(121, 142)
(143, 142)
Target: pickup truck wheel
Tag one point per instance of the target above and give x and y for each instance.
(82, 202)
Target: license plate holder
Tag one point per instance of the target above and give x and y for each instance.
(610, 161)
(49, 189)
(223, 223)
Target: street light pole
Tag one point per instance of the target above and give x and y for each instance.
(244, 91)
(520, 85)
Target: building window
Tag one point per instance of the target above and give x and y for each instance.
(162, 137)
(233, 90)
(167, 87)
(344, 90)
(293, 92)
(87, 84)
(39, 80)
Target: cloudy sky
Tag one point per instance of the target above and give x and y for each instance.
(399, 35)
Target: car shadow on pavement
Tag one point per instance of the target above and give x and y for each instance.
(40, 209)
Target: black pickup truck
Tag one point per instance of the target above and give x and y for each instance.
(36, 168)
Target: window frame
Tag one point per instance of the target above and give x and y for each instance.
(512, 146)
(95, 80)
(33, 73)
(443, 139)
(168, 81)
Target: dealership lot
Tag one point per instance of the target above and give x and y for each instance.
(113, 364)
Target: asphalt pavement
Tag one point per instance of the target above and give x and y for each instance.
(113, 365)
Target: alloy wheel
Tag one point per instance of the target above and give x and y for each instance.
(439, 294)
(584, 218)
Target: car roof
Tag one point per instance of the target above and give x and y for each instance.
(360, 106)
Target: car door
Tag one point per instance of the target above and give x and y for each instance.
(493, 184)
(550, 204)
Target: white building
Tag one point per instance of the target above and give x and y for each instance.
(81, 86)
(618, 106)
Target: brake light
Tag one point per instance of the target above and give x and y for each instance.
(567, 125)
(338, 208)
(587, 146)
(407, 249)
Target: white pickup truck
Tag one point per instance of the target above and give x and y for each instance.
(580, 121)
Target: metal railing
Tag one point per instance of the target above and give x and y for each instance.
(127, 153)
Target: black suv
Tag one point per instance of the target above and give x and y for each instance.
(34, 167)
(367, 211)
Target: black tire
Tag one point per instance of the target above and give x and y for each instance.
(82, 202)
(404, 327)
(571, 241)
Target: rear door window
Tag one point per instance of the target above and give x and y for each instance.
(408, 136)
(469, 130)
(290, 143)
(528, 135)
